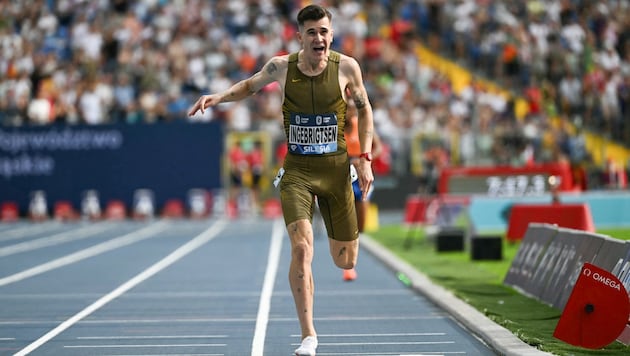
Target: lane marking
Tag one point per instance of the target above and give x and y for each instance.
(118, 242)
(375, 335)
(167, 321)
(140, 337)
(138, 345)
(188, 295)
(132, 295)
(72, 235)
(381, 343)
(26, 230)
(424, 353)
(262, 319)
(173, 257)
(220, 320)
(162, 354)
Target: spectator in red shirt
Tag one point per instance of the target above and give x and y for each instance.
(238, 166)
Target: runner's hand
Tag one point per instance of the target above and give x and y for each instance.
(204, 102)
(366, 177)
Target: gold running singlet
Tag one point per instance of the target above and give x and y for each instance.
(317, 163)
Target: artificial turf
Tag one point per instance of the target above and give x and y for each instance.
(480, 284)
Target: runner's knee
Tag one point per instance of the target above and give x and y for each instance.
(302, 252)
(301, 241)
(344, 254)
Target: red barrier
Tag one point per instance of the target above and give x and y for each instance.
(9, 211)
(272, 208)
(427, 209)
(64, 211)
(573, 216)
(173, 209)
(597, 310)
(416, 209)
(116, 210)
(423, 209)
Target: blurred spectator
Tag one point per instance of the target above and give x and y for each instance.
(257, 166)
(125, 104)
(239, 116)
(92, 104)
(94, 62)
(41, 109)
(570, 94)
(12, 108)
(238, 166)
(613, 176)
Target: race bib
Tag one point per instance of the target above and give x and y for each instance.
(313, 134)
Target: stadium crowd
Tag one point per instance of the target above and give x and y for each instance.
(96, 62)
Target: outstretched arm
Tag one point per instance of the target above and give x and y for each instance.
(271, 71)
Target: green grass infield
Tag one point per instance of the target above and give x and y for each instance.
(481, 286)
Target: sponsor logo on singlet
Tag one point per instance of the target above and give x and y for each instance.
(313, 134)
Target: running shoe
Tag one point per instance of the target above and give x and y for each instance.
(309, 344)
(349, 274)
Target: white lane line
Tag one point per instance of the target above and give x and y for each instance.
(171, 321)
(174, 295)
(26, 230)
(121, 337)
(56, 239)
(165, 354)
(178, 354)
(397, 343)
(375, 335)
(372, 318)
(173, 257)
(139, 345)
(262, 319)
(425, 353)
(121, 241)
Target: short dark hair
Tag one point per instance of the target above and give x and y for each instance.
(312, 13)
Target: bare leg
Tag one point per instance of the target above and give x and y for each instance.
(300, 273)
(344, 253)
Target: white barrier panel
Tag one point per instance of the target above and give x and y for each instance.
(526, 262)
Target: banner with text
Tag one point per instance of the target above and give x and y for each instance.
(65, 161)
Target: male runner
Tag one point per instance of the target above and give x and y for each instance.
(314, 81)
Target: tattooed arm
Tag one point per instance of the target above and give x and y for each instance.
(351, 80)
(273, 71)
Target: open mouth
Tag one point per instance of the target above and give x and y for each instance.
(319, 50)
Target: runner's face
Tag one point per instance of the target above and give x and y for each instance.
(316, 37)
